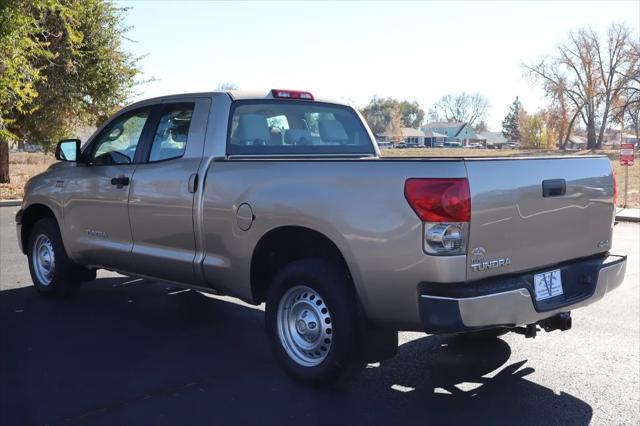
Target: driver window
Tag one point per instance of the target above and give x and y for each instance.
(118, 142)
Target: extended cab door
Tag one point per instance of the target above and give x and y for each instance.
(162, 191)
(96, 218)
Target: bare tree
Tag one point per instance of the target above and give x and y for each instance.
(618, 62)
(589, 75)
(460, 108)
(395, 124)
(226, 85)
(626, 108)
(481, 127)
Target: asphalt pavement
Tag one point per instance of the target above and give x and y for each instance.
(128, 351)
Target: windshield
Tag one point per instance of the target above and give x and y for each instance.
(284, 127)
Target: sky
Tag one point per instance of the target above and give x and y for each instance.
(418, 51)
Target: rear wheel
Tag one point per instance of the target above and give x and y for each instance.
(52, 272)
(312, 322)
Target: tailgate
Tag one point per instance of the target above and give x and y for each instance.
(515, 227)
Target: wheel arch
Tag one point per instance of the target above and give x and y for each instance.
(29, 217)
(285, 244)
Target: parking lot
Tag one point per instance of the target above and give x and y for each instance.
(128, 351)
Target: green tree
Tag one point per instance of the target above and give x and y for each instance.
(380, 112)
(18, 72)
(511, 122)
(533, 131)
(74, 70)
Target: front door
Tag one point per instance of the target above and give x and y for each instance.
(96, 218)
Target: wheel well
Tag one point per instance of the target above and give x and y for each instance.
(284, 245)
(31, 215)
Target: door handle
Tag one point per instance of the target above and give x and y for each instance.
(554, 187)
(193, 183)
(120, 181)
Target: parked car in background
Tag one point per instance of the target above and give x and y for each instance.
(384, 145)
(452, 145)
(31, 147)
(234, 193)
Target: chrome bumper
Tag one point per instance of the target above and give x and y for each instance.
(442, 314)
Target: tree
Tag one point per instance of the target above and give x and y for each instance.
(481, 127)
(380, 112)
(396, 124)
(512, 121)
(18, 72)
(78, 72)
(627, 108)
(533, 131)
(460, 108)
(590, 74)
(226, 85)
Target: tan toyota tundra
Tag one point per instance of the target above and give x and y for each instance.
(283, 198)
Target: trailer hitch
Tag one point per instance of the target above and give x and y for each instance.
(561, 321)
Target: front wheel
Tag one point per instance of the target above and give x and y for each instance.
(52, 271)
(312, 322)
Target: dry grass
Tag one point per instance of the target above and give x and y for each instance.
(23, 166)
(633, 199)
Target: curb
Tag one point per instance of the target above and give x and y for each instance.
(10, 203)
(623, 218)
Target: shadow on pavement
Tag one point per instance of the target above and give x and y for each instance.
(135, 352)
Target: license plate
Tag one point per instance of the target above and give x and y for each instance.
(548, 284)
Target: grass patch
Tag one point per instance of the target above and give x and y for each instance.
(23, 166)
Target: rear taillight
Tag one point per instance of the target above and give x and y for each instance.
(444, 205)
(439, 200)
(291, 94)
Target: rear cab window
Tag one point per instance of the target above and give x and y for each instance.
(290, 127)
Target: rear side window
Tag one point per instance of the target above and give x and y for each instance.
(170, 138)
(295, 127)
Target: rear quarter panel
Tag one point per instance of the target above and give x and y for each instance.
(358, 204)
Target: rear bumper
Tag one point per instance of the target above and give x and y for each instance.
(508, 301)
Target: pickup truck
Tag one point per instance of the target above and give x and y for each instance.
(281, 198)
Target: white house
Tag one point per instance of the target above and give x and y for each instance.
(493, 139)
(434, 139)
(576, 142)
(409, 135)
(455, 132)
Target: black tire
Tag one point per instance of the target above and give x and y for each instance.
(66, 276)
(345, 357)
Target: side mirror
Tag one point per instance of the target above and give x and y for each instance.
(68, 150)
